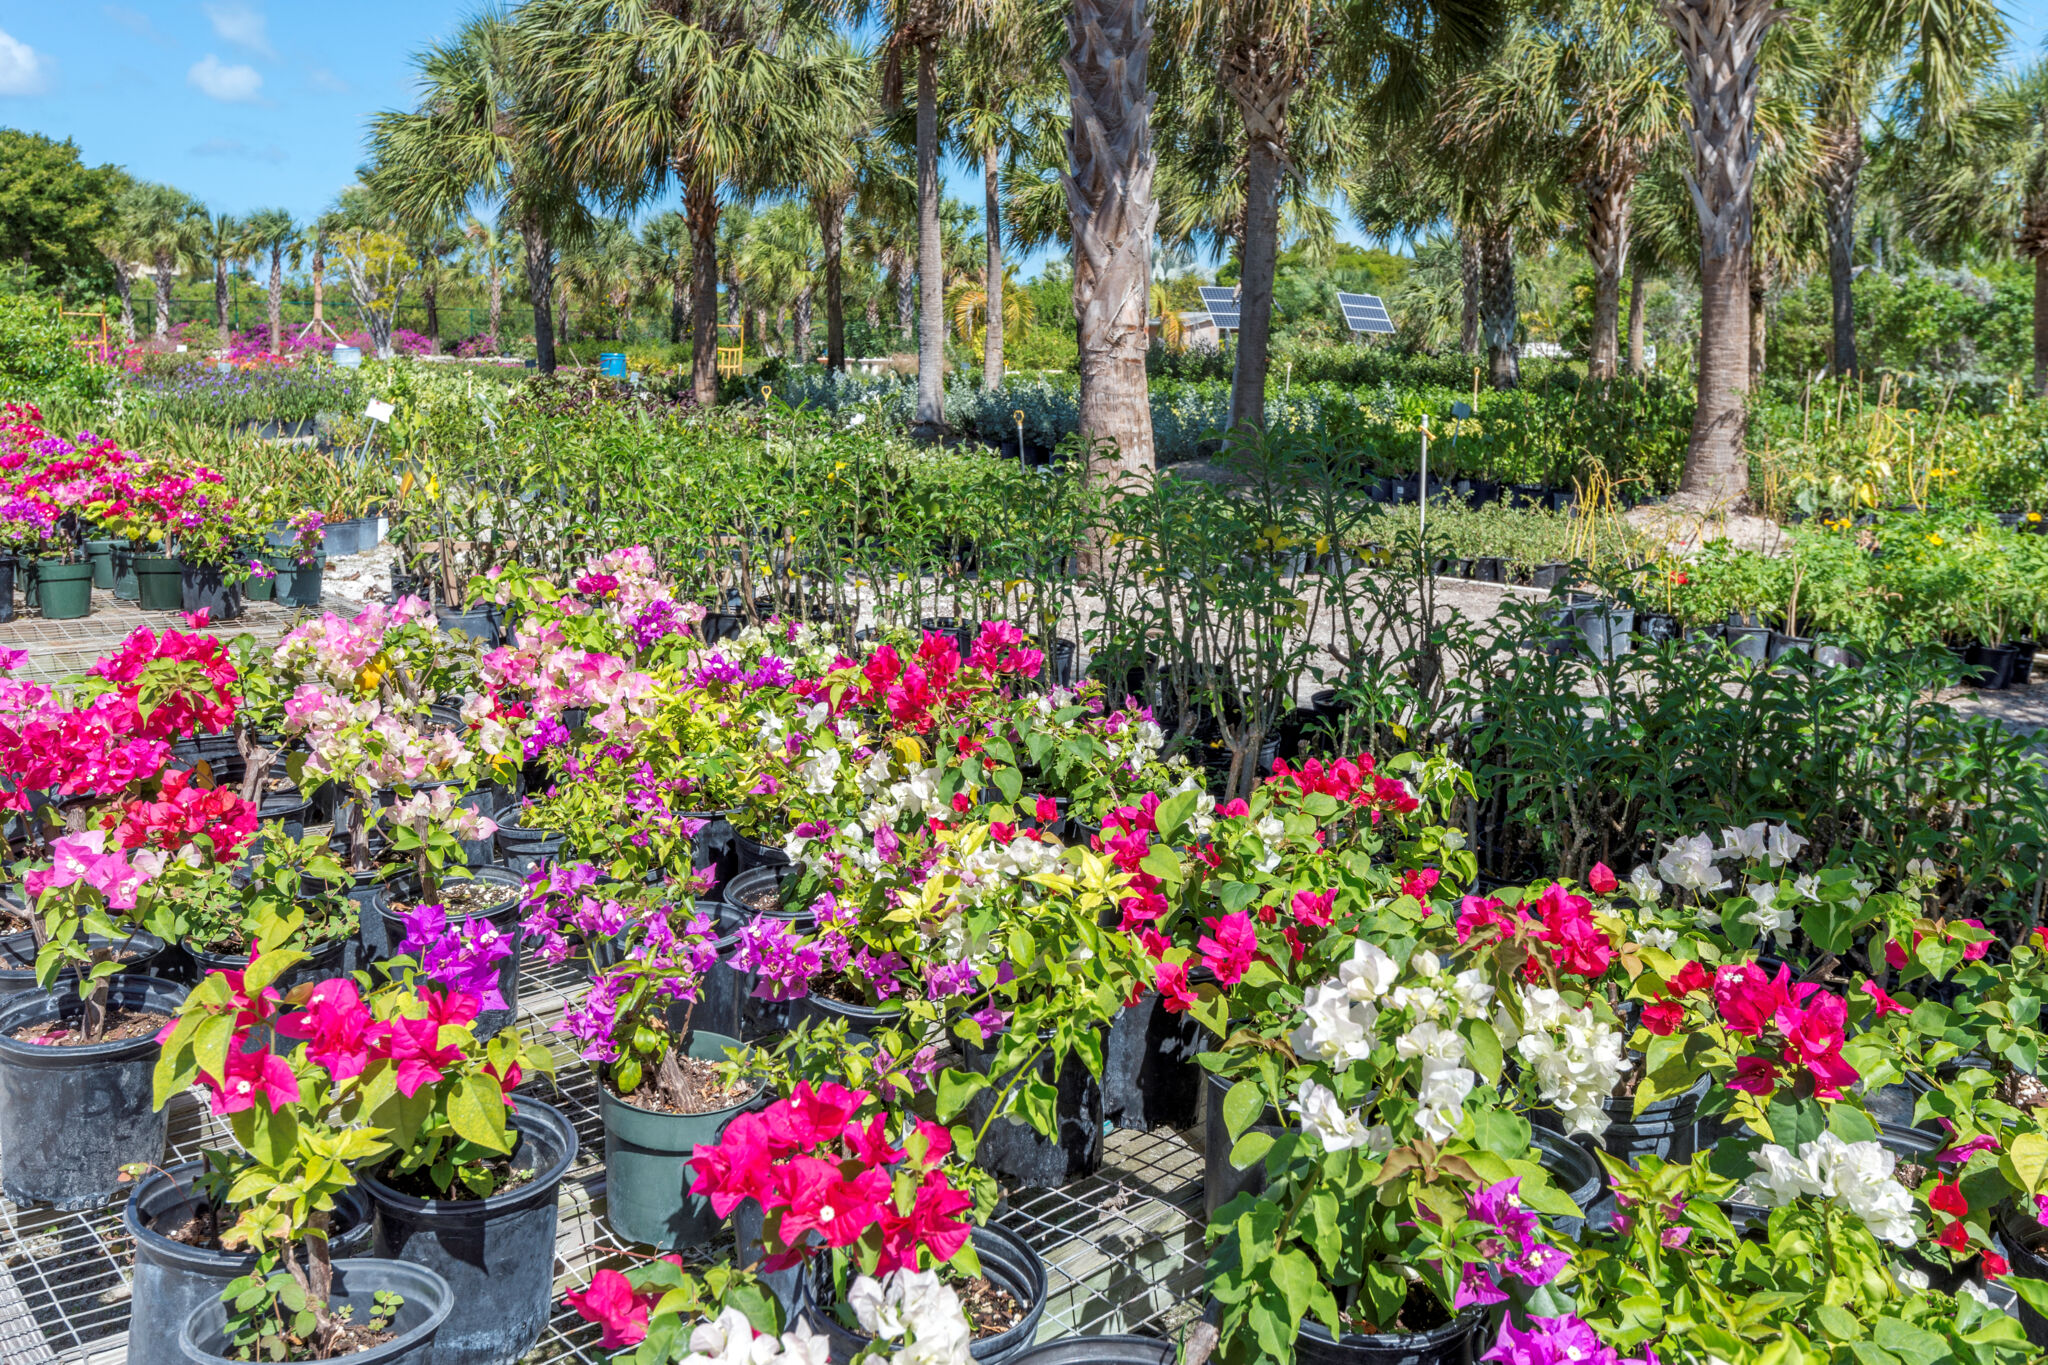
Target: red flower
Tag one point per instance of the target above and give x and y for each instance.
(252, 1076)
(1170, 979)
(1994, 1265)
(962, 803)
(1955, 1237)
(1047, 811)
(1419, 882)
(1948, 1198)
(1601, 879)
(1295, 947)
(1663, 1017)
(1755, 1074)
(612, 1302)
(1691, 977)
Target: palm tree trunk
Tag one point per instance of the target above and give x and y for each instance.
(801, 309)
(832, 232)
(1718, 40)
(540, 287)
(430, 292)
(1468, 273)
(124, 284)
(1497, 306)
(1109, 192)
(1255, 282)
(700, 207)
(1638, 355)
(220, 299)
(1756, 320)
(873, 310)
(2041, 324)
(319, 270)
(276, 299)
(992, 347)
(899, 279)
(497, 304)
(1607, 222)
(1841, 164)
(162, 326)
(931, 265)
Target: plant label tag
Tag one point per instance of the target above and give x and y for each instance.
(378, 411)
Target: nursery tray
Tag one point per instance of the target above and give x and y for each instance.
(1122, 1247)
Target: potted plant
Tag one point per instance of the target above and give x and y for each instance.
(285, 895)
(209, 537)
(298, 558)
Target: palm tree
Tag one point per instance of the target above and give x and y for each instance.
(222, 240)
(274, 231)
(1594, 87)
(723, 96)
(1986, 185)
(166, 226)
(481, 128)
(123, 243)
(484, 249)
(1944, 48)
(431, 244)
(665, 242)
(782, 260)
(1374, 56)
(322, 230)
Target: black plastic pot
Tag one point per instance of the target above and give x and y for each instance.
(1222, 1182)
(749, 883)
(141, 954)
(429, 1303)
(1575, 1171)
(1106, 1350)
(762, 1018)
(1548, 575)
(1005, 1259)
(1606, 629)
(1149, 1076)
(1666, 1129)
(1012, 1149)
(1780, 644)
(1656, 628)
(1749, 642)
(1490, 569)
(72, 1117)
(497, 1254)
(205, 587)
(716, 845)
(503, 916)
(753, 855)
(7, 563)
(2022, 663)
(479, 624)
(173, 1279)
(1457, 1342)
(1991, 667)
(862, 1021)
(522, 849)
(329, 960)
(647, 1152)
(2026, 1247)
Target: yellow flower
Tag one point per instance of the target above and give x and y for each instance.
(1935, 540)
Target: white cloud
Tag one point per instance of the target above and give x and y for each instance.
(242, 25)
(23, 70)
(234, 84)
(270, 153)
(325, 81)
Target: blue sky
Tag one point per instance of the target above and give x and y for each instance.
(249, 105)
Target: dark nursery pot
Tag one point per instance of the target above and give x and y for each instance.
(1006, 1260)
(173, 1279)
(2026, 1246)
(100, 554)
(1221, 1181)
(1457, 1342)
(1990, 667)
(1749, 642)
(716, 845)
(141, 954)
(1108, 1350)
(1575, 1171)
(1011, 1148)
(2022, 663)
(502, 915)
(522, 849)
(328, 960)
(479, 624)
(159, 582)
(862, 1021)
(1666, 1129)
(1780, 644)
(205, 587)
(497, 1254)
(7, 563)
(760, 1018)
(72, 1117)
(1149, 1076)
(429, 1301)
(753, 855)
(647, 1154)
(126, 586)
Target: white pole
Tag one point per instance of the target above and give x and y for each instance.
(1422, 495)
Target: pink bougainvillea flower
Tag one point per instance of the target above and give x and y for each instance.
(1312, 908)
(1885, 1003)
(414, 1046)
(1963, 1151)
(335, 1024)
(1170, 979)
(1230, 945)
(253, 1076)
(1602, 879)
(1419, 882)
(613, 1303)
(1755, 1075)
(1663, 1017)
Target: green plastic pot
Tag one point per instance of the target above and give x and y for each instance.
(646, 1162)
(259, 589)
(101, 555)
(304, 579)
(160, 582)
(65, 590)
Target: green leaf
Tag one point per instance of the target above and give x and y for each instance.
(1173, 813)
(1250, 1150)
(955, 1089)
(210, 1042)
(1242, 1107)
(1851, 1124)
(2027, 1156)
(1833, 924)
(1010, 783)
(2033, 1292)
(1482, 1049)
(476, 1111)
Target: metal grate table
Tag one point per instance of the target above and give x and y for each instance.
(1122, 1247)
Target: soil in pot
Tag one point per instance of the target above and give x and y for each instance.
(122, 1024)
(407, 1339)
(74, 1113)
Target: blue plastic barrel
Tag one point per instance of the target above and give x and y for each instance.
(612, 363)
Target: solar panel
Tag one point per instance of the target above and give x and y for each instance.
(1222, 305)
(1365, 313)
